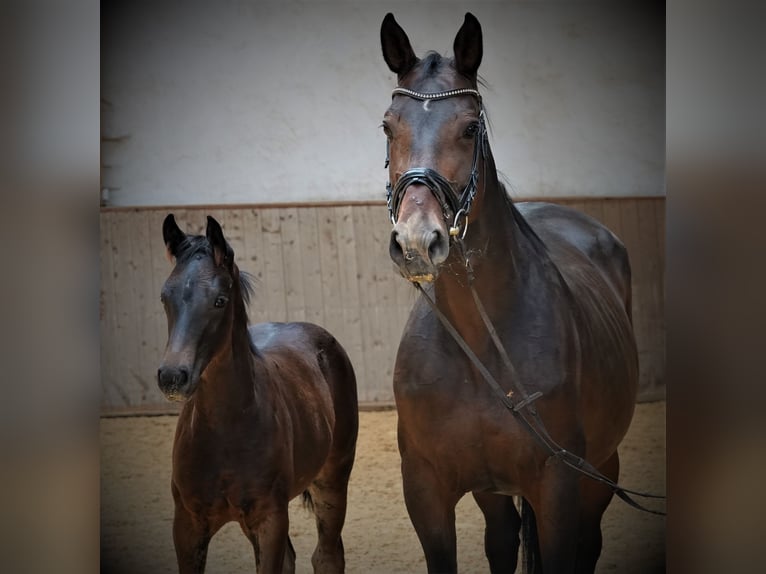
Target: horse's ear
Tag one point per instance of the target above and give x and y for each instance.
(397, 51)
(172, 235)
(222, 253)
(468, 47)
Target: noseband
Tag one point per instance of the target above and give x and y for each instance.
(454, 205)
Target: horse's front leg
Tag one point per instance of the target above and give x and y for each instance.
(431, 507)
(274, 552)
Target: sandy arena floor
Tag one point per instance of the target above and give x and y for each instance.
(137, 507)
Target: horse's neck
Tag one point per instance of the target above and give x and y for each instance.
(227, 385)
(500, 255)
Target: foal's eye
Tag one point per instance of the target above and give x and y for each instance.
(220, 301)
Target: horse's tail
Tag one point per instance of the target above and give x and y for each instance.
(308, 502)
(530, 544)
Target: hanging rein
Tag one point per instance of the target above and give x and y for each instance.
(459, 204)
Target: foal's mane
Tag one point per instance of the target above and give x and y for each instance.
(194, 245)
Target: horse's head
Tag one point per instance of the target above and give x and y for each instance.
(199, 299)
(436, 140)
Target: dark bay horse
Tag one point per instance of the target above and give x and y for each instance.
(540, 294)
(270, 412)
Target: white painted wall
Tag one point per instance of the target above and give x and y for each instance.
(252, 102)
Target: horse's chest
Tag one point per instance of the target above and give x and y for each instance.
(473, 445)
(223, 477)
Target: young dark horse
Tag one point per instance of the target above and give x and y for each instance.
(270, 413)
(554, 285)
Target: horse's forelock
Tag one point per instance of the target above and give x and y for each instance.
(196, 244)
(191, 246)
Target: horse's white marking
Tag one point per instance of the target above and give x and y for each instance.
(425, 104)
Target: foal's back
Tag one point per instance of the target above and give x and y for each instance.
(314, 385)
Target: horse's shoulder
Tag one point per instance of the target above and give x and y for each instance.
(580, 245)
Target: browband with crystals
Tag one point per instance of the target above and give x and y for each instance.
(436, 95)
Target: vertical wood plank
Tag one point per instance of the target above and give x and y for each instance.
(349, 285)
(273, 266)
(329, 278)
(160, 271)
(368, 294)
(292, 261)
(252, 261)
(311, 269)
(125, 328)
(108, 313)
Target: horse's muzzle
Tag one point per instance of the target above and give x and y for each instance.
(174, 382)
(418, 255)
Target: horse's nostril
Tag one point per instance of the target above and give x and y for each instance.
(183, 376)
(395, 248)
(438, 249)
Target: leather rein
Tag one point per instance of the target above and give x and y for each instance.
(522, 409)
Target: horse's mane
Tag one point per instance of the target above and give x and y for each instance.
(534, 240)
(193, 245)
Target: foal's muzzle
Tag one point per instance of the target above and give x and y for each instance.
(174, 382)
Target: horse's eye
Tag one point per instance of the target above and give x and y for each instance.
(471, 130)
(386, 131)
(220, 301)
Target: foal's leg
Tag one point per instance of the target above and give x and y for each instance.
(595, 499)
(274, 553)
(501, 535)
(328, 495)
(431, 507)
(289, 564)
(191, 537)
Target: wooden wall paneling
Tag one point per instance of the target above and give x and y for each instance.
(112, 392)
(329, 273)
(636, 249)
(160, 270)
(610, 213)
(252, 261)
(349, 287)
(311, 268)
(388, 281)
(328, 264)
(291, 257)
(368, 297)
(274, 288)
(126, 325)
(145, 297)
(653, 300)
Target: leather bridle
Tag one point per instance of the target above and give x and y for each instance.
(454, 205)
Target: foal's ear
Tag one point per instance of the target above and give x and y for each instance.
(468, 47)
(172, 235)
(397, 51)
(222, 253)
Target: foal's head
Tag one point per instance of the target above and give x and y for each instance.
(202, 296)
(436, 137)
